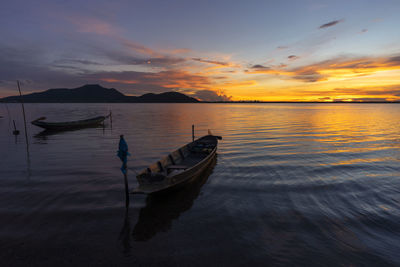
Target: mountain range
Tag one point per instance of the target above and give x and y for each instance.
(94, 93)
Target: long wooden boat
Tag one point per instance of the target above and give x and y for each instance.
(58, 126)
(179, 167)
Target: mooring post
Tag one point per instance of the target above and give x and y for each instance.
(23, 112)
(111, 118)
(15, 132)
(123, 155)
(193, 133)
(126, 190)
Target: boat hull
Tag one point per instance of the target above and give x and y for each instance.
(185, 179)
(60, 126)
(175, 182)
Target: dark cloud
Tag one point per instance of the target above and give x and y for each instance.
(394, 60)
(221, 63)
(115, 56)
(330, 24)
(159, 62)
(310, 78)
(76, 61)
(212, 96)
(293, 57)
(21, 64)
(125, 58)
(229, 71)
(28, 64)
(258, 66)
(67, 68)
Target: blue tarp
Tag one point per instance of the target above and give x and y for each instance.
(123, 153)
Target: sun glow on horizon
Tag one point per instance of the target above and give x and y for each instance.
(334, 54)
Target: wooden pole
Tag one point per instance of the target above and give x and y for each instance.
(126, 189)
(111, 118)
(193, 133)
(23, 112)
(15, 132)
(26, 132)
(123, 154)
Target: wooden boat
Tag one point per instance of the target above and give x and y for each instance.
(179, 167)
(59, 126)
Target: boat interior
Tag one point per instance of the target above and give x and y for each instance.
(179, 160)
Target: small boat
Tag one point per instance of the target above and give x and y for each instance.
(179, 167)
(68, 125)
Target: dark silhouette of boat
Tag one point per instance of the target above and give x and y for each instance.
(162, 209)
(179, 167)
(68, 125)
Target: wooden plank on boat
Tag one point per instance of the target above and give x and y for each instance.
(177, 167)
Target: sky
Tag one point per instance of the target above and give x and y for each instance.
(298, 50)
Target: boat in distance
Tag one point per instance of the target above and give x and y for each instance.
(68, 125)
(179, 167)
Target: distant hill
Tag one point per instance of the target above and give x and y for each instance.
(94, 93)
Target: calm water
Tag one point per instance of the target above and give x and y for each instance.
(314, 184)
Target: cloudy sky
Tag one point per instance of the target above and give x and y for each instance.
(214, 50)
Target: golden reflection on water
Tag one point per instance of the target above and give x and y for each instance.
(316, 179)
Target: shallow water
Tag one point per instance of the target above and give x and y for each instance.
(314, 184)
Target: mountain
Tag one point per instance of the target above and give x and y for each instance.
(172, 97)
(94, 93)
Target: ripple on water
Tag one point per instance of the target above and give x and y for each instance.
(292, 185)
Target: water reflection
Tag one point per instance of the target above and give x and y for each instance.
(294, 184)
(161, 210)
(124, 235)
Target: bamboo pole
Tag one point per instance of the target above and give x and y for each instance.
(23, 112)
(26, 133)
(15, 132)
(111, 119)
(126, 189)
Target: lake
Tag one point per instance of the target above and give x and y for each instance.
(292, 184)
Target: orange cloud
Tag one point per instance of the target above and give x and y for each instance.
(339, 68)
(140, 48)
(371, 91)
(331, 93)
(238, 84)
(111, 80)
(172, 79)
(176, 51)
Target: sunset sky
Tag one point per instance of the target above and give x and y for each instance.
(297, 50)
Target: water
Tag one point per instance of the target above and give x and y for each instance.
(293, 184)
